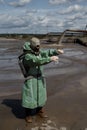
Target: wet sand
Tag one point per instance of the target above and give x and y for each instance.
(66, 88)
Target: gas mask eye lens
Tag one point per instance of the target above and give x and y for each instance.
(38, 46)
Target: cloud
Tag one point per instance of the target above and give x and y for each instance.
(57, 2)
(42, 20)
(1, 1)
(19, 3)
(72, 9)
(8, 22)
(75, 17)
(54, 2)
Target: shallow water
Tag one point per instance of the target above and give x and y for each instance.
(72, 52)
(10, 69)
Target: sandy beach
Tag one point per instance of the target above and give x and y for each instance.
(66, 106)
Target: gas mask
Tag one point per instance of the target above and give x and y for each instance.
(35, 44)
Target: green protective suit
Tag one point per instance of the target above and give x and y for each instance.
(34, 89)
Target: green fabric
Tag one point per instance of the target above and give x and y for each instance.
(26, 46)
(34, 93)
(34, 89)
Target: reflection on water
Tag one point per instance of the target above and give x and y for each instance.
(2, 50)
(8, 64)
(72, 52)
(7, 57)
(10, 69)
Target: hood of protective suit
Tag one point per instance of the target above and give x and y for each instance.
(26, 46)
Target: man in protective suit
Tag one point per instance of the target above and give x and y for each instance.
(34, 94)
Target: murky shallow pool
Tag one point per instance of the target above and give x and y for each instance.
(10, 69)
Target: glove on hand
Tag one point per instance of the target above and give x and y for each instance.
(60, 51)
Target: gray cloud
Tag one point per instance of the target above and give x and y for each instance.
(1, 1)
(54, 2)
(71, 9)
(57, 2)
(19, 3)
(8, 21)
(75, 17)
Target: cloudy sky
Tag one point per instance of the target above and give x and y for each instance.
(42, 16)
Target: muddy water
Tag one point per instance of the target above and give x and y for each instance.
(9, 63)
(10, 71)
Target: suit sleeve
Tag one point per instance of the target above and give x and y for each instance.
(33, 60)
(49, 53)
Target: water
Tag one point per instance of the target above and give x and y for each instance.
(9, 62)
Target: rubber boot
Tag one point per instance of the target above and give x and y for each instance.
(28, 119)
(42, 114)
